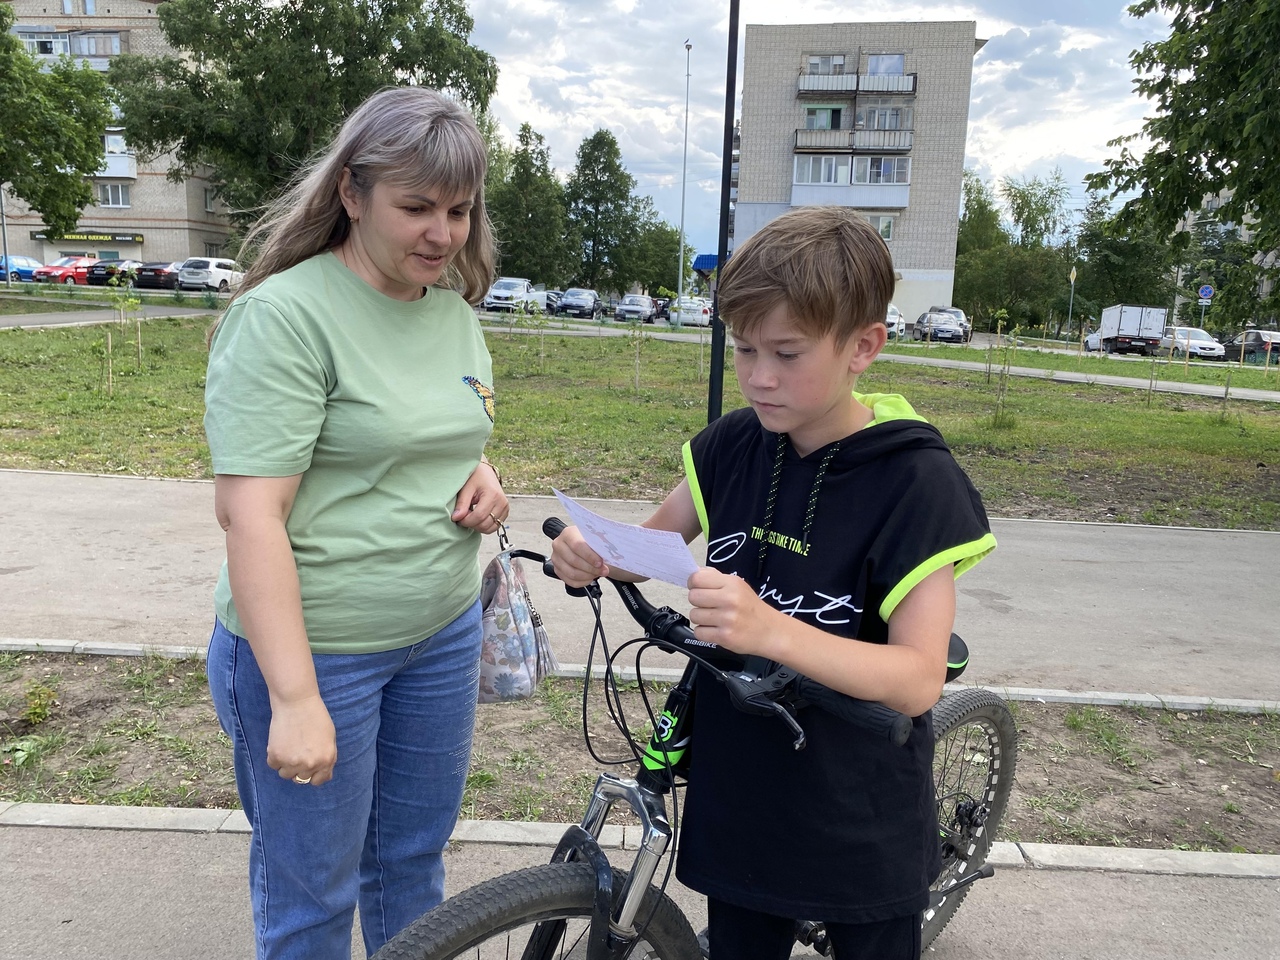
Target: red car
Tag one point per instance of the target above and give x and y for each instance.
(66, 270)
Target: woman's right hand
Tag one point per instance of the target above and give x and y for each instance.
(301, 743)
(575, 562)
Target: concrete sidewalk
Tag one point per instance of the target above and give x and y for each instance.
(123, 883)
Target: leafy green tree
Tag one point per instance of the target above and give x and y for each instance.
(1215, 125)
(499, 154)
(53, 129)
(658, 256)
(1217, 254)
(602, 213)
(1120, 264)
(980, 226)
(256, 87)
(1037, 207)
(528, 212)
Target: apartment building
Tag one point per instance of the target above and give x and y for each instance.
(871, 116)
(138, 212)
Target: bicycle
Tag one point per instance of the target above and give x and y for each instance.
(580, 906)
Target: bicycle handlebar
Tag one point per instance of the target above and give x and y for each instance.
(665, 624)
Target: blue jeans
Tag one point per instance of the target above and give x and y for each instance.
(375, 834)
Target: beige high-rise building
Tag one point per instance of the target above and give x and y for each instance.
(871, 116)
(138, 214)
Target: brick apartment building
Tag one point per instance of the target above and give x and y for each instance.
(865, 115)
(139, 213)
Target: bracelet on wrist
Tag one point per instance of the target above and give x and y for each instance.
(495, 470)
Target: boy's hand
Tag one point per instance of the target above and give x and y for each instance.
(575, 562)
(726, 611)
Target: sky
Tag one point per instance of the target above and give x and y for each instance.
(1051, 87)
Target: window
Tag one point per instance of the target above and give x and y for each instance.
(882, 170)
(827, 66)
(885, 64)
(210, 195)
(90, 7)
(883, 226)
(822, 118)
(113, 195)
(46, 43)
(210, 250)
(66, 7)
(113, 144)
(881, 115)
(822, 169)
(96, 44)
(109, 255)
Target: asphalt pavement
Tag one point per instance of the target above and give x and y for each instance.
(123, 564)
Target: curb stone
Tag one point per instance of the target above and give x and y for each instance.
(1097, 698)
(1037, 856)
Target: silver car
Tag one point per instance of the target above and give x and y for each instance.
(635, 306)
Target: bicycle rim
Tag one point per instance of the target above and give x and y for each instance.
(975, 755)
(549, 906)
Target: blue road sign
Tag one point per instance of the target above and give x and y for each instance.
(1206, 292)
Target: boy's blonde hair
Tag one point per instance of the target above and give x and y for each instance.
(827, 264)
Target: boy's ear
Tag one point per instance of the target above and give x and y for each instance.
(867, 344)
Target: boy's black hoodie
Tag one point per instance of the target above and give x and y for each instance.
(845, 830)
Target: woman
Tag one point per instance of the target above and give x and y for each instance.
(348, 403)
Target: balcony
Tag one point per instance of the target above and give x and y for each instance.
(864, 196)
(880, 141)
(119, 166)
(847, 84)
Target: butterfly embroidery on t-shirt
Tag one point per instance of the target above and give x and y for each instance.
(483, 392)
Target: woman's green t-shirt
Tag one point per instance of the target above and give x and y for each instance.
(384, 407)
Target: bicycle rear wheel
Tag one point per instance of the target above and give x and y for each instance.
(975, 755)
(496, 919)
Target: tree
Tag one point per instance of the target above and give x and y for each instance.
(1215, 129)
(528, 212)
(602, 213)
(53, 129)
(1037, 208)
(497, 151)
(259, 87)
(980, 226)
(1119, 264)
(654, 259)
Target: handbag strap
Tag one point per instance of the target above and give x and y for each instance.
(503, 543)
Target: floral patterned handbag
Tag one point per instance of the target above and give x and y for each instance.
(515, 653)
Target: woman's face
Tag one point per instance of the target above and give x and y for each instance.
(403, 238)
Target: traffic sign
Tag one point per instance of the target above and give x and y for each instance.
(1205, 301)
(1206, 292)
(1073, 275)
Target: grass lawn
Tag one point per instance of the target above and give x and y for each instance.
(16, 306)
(570, 415)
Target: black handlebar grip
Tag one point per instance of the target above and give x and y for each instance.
(873, 717)
(553, 527)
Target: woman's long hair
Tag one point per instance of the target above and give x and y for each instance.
(407, 136)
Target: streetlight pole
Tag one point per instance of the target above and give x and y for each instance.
(684, 166)
(4, 233)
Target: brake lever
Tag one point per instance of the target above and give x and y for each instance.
(756, 696)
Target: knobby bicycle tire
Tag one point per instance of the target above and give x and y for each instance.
(494, 919)
(975, 755)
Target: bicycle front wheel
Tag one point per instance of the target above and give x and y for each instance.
(497, 919)
(975, 754)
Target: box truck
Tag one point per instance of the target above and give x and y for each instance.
(1126, 328)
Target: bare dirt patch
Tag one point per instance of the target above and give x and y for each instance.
(142, 731)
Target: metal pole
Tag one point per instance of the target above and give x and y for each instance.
(1071, 303)
(715, 390)
(684, 167)
(4, 235)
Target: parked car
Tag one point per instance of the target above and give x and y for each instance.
(513, 294)
(635, 306)
(660, 308)
(65, 270)
(553, 300)
(209, 273)
(18, 268)
(579, 302)
(690, 311)
(104, 271)
(1093, 342)
(1192, 342)
(959, 314)
(158, 275)
(896, 323)
(1256, 344)
(938, 327)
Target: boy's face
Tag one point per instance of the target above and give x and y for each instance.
(803, 386)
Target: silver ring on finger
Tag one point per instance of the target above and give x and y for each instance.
(302, 780)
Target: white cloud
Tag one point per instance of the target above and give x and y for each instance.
(1051, 87)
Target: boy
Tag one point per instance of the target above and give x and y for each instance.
(836, 524)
